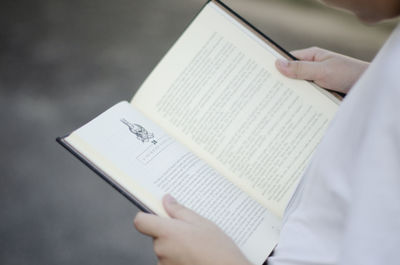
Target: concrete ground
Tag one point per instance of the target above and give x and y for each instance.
(62, 62)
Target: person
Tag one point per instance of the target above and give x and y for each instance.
(346, 209)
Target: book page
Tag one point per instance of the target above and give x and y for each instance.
(217, 91)
(147, 163)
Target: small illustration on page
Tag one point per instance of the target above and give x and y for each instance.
(141, 133)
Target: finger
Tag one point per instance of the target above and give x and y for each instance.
(300, 69)
(161, 248)
(150, 224)
(309, 54)
(178, 211)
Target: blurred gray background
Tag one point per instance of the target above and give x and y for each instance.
(62, 62)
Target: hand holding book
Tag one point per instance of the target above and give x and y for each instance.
(188, 238)
(327, 69)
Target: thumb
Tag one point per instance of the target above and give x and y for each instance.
(178, 211)
(299, 69)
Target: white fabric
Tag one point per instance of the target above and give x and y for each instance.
(346, 210)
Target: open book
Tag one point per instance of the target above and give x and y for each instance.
(217, 127)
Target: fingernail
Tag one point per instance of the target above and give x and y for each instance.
(169, 199)
(283, 63)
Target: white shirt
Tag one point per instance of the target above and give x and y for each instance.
(346, 210)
